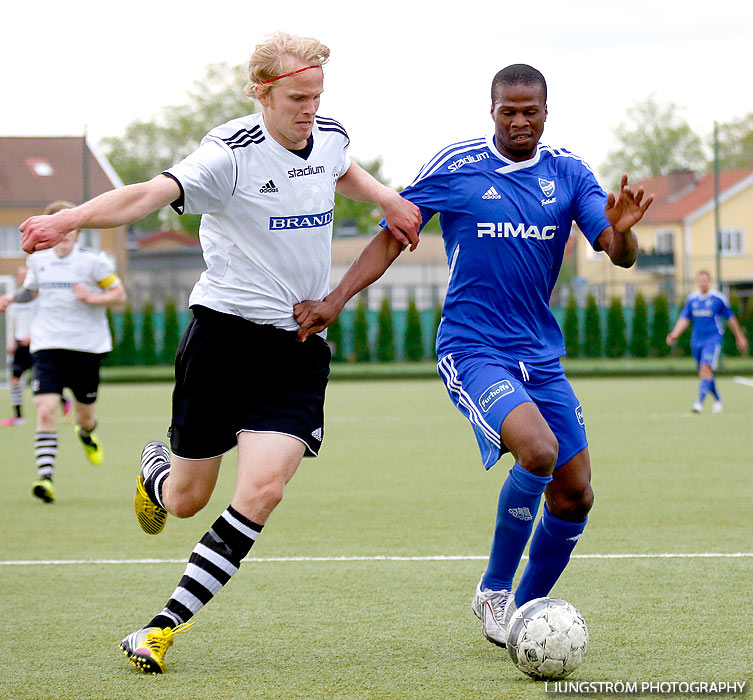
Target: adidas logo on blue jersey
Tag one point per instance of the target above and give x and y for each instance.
(268, 188)
(491, 193)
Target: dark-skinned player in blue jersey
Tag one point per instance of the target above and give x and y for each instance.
(506, 205)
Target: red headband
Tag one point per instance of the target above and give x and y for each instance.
(300, 70)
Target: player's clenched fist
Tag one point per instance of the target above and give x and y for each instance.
(44, 231)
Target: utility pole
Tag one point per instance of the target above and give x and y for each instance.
(717, 226)
(85, 176)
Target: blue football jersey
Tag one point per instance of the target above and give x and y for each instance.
(505, 225)
(708, 313)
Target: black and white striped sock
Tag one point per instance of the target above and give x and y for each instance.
(155, 467)
(213, 562)
(17, 398)
(45, 452)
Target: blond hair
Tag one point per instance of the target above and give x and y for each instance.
(55, 207)
(268, 60)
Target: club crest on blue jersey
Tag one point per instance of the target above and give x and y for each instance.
(495, 392)
(547, 186)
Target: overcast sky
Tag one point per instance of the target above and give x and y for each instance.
(404, 78)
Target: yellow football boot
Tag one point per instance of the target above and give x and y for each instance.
(91, 446)
(146, 648)
(43, 489)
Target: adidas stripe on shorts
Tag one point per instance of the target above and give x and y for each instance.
(485, 388)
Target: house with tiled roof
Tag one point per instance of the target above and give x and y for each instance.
(37, 170)
(677, 238)
(163, 265)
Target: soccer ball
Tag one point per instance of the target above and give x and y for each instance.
(547, 638)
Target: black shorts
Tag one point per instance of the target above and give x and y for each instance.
(55, 369)
(21, 360)
(233, 375)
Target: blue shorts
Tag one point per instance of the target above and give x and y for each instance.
(485, 388)
(708, 352)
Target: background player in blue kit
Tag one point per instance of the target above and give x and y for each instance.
(707, 309)
(506, 205)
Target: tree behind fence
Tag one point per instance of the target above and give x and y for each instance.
(639, 334)
(414, 340)
(170, 333)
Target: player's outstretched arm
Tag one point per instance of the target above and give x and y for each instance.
(403, 217)
(314, 316)
(110, 210)
(114, 296)
(678, 330)
(22, 296)
(623, 211)
(740, 340)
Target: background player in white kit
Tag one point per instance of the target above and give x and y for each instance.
(69, 336)
(265, 185)
(21, 316)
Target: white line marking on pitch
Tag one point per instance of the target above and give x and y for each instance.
(262, 560)
(743, 380)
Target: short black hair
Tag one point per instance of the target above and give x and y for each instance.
(518, 74)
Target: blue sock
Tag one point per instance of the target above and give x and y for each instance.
(551, 546)
(712, 389)
(703, 389)
(518, 504)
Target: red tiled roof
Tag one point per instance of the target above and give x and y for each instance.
(176, 236)
(22, 185)
(671, 207)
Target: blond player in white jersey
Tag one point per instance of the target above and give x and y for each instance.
(73, 286)
(265, 186)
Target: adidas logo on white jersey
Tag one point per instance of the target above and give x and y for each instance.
(491, 193)
(268, 188)
(317, 434)
(520, 513)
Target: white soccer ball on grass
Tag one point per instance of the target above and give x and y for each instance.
(547, 638)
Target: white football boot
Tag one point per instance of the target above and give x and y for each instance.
(494, 609)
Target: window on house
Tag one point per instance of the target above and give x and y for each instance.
(10, 242)
(664, 241)
(90, 239)
(40, 167)
(732, 241)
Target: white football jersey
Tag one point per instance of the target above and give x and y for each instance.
(62, 321)
(21, 318)
(266, 228)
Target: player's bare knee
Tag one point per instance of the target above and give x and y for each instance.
(540, 456)
(185, 508)
(269, 494)
(46, 415)
(574, 506)
(185, 504)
